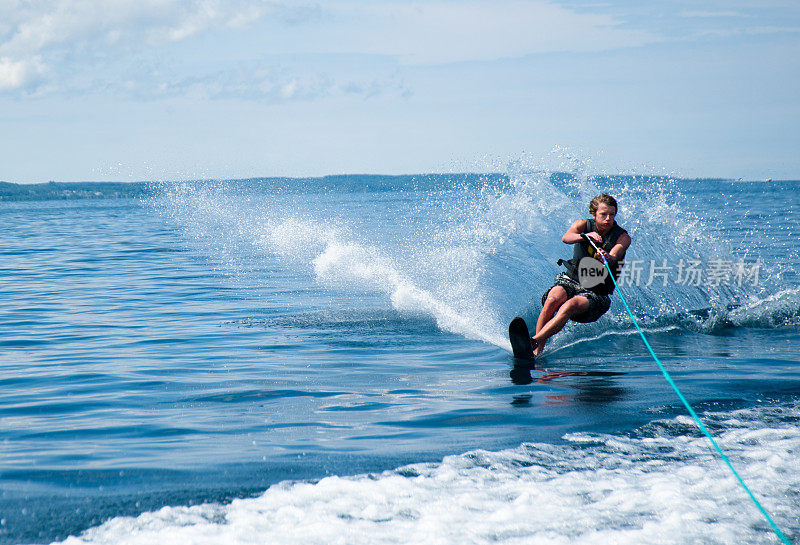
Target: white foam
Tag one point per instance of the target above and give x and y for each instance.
(660, 486)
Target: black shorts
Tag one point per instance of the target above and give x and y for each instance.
(598, 304)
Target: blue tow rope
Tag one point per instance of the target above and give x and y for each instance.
(700, 424)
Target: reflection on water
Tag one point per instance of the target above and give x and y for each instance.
(521, 400)
(521, 372)
(600, 388)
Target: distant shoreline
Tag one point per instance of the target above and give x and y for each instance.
(14, 192)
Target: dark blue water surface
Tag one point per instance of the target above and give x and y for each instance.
(207, 342)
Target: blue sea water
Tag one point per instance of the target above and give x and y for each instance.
(325, 361)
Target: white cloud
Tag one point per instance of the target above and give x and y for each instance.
(20, 74)
(711, 14)
(474, 30)
(34, 35)
(62, 44)
(268, 86)
(53, 45)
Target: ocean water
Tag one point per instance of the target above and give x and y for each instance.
(325, 361)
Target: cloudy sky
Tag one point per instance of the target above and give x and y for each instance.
(175, 89)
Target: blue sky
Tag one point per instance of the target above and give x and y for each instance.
(128, 90)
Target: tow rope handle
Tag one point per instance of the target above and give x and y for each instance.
(585, 237)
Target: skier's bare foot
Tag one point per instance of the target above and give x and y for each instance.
(538, 347)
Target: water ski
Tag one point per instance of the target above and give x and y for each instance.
(520, 339)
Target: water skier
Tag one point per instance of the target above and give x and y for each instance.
(580, 294)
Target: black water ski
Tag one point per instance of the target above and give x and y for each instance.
(520, 339)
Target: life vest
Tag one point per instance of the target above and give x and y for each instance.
(584, 249)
